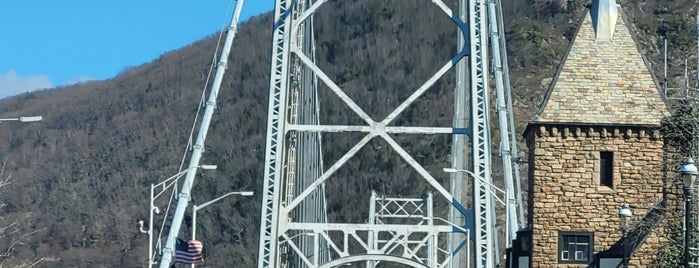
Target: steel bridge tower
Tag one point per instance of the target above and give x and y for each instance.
(295, 231)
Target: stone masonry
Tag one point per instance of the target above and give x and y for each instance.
(603, 100)
(566, 194)
(603, 83)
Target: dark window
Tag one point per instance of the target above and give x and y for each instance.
(574, 247)
(606, 169)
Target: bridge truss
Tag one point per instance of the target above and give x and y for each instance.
(295, 231)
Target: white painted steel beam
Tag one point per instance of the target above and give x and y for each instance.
(286, 228)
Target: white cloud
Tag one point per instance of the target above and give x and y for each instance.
(12, 84)
(78, 80)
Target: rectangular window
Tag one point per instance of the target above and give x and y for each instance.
(574, 247)
(606, 169)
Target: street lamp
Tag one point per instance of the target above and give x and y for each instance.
(490, 187)
(456, 226)
(166, 184)
(195, 208)
(23, 119)
(688, 172)
(624, 217)
(492, 190)
(460, 229)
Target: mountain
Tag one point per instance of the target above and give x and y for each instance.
(79, 180)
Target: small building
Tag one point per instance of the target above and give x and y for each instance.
(594, 145)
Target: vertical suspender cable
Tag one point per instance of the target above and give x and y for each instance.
(511, 119)
(505, 151)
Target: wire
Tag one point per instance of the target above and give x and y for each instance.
(202, 101)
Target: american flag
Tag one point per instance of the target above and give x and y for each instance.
(188, 251)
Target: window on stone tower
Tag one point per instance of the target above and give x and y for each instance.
(606, 169)
(574, 247)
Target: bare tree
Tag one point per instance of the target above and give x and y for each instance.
(13, 231)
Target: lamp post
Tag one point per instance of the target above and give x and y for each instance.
(491, 188)
(688, 172)
(23, 119)
(195, 208)
(624, 217)
(456, 228)
(510, 220)
(165, 184)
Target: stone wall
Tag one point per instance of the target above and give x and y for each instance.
(565, 193)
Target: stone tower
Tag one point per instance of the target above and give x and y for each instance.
(593, 146)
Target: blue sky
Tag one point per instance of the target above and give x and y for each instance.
(48, 43)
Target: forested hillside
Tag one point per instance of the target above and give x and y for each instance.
(79, 180)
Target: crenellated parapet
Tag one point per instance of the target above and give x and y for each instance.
(599, 131)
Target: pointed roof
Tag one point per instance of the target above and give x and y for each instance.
(603, 79)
